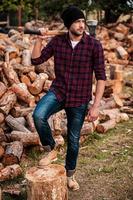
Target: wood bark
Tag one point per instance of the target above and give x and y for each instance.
(15, 124)
(47, 183)
(23, 69)
(2, 136)
(25, 79)
(18, 111)
(26, 57)
(127, 109)
(7, 102)
(32, 76)
(30, 122)
(2, 118)
(10, 172)
(13, 153)
(3, 89)
(27, 139)
(47, 85)
(22, 92)
(11, 75)
(1, 151)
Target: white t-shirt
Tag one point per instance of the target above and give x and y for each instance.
(74, 43)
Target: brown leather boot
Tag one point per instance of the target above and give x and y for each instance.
(49, 158)
(72, 183)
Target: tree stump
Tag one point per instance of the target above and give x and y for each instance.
(47, 183)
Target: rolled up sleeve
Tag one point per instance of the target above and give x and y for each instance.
(99, 64)
(46, 53)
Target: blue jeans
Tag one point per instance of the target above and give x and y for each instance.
(49, 105)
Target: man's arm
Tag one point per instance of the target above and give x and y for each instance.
(94, 109)
(40, 55)
(99, 69)
(36, 52)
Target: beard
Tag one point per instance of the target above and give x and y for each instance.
(77, 32)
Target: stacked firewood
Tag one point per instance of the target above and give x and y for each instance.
(22, 85)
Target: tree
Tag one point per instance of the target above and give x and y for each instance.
(114, 8)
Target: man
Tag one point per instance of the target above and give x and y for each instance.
(76, 56)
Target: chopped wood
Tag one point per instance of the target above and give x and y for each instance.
(22, 92)
(13, 153)
(1, 166)
(26, 57)
(104, 127)
(23, 69)
(1, 151)
(7, 102)
(15, 124)
(122, 52)
(27, 139)
(127, 110)
(30, 122)
(2, 118)
(3, 89)
(10, 172)
(47, 85)
(11, 75)
(25, 79)
(37, 85)
(59, 140)
(2, 136)
(53, 176)
(18, 111)
(32, 75)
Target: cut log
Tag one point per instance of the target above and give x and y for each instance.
(2, 89)
(2, 136)
(113, 102)
(30, 122)
(7, 102)
(19, 111)
(10, 172)
(23, 69)
(47, 85)
(37, 85)
(121, 28)
(13, 153)
(32, 76)
(25, 79)
(26, 57)
(104, 127)
(2, 118)
(22, 92)
(127, 110)
(1, 166)
(27, 139)
(59, 140)
(15, 125)
(1, 151)
(11, 75)
(3, 78)
(122, 52)
(47, 183)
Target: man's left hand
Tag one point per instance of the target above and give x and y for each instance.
(93, 113)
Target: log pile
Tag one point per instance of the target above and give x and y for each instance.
(22, 85)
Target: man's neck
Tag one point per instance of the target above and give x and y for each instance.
(74, 37)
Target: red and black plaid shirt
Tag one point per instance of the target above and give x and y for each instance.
(74, 67)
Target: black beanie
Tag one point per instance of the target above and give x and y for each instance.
(71, 14)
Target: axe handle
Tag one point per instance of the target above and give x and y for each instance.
(48, 33)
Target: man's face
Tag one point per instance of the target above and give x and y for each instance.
(78, 27)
